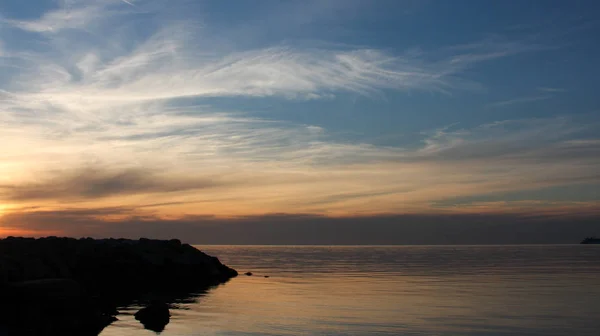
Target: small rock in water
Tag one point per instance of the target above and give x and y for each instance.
(248, 273)
(154, 317)
(266, 276)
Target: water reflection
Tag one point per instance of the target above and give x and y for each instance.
(153, 309)
(444, 291)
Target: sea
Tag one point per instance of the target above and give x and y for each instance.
(526, 290)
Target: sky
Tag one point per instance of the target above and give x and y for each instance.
(300, 122)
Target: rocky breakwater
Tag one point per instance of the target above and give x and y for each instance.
(72, 286)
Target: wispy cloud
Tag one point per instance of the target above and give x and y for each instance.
(162, 69)
(491, 48)
(511, 139)
(97, 182)
(551, 89)
(174, 63)
(544, 93)
(520, 100)
(70, 15)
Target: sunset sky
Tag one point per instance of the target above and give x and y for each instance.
(341, 121)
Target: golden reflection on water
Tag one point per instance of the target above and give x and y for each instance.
(349, 297)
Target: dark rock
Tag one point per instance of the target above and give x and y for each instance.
(248, 273)
(48, 289)
(74, 285)
(110, 263)
(154, 317)
(266, 276)
(52, 307)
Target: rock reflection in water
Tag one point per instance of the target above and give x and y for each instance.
(153, 309)
(44, 315)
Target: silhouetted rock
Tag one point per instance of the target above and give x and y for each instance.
(52, 307)
(248, 273)
(154, 317)
(73, 285)
(590, 240)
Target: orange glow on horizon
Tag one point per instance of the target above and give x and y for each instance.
(7, 232)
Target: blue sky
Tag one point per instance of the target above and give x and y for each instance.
(329, 108)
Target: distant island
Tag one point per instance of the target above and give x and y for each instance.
(591, 240)
(67, 286)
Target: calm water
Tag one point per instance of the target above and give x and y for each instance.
(400, 290)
